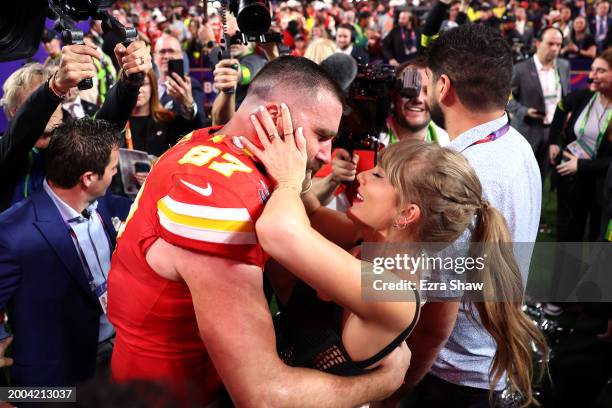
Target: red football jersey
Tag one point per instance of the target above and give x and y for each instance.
(205, 195)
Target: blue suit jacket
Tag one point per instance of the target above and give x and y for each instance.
(53, 315)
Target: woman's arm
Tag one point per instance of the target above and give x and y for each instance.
(334, 225)
(285, 233)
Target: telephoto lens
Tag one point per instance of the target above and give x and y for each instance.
(253, 17)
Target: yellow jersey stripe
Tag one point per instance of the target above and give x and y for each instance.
(205, 223)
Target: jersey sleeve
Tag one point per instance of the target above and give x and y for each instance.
(208, 216)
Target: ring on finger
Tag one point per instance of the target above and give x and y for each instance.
(142, 61)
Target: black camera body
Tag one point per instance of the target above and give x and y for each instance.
(369, 104)
(253, 16)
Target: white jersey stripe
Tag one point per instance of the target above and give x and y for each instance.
(199, 234)
(204, 211)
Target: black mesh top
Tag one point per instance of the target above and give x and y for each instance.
(309, 334)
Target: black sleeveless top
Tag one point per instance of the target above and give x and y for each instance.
(309, 334)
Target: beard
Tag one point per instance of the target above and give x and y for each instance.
(436, 114)
(411, 127)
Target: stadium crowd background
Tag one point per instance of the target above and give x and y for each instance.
(373, 32)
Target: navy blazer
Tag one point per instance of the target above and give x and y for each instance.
(53, 315)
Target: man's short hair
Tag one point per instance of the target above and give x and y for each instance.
(478, 62)
(20, 81)
(80, 146)
(299, 75)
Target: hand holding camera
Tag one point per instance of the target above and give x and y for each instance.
(226, 75)
(75, 65)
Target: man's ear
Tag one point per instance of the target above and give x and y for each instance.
(274, 109)
(87, 179)
(447, 91)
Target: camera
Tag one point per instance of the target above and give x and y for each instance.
(369, 104)
(253, 16)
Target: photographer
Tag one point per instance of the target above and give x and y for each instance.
(233, 76)
(409, 120)
(35, 112)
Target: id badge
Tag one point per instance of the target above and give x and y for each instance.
(577, 150)
(102, 293)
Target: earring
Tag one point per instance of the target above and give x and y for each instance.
(400, 224)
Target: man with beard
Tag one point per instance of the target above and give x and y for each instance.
(470, 72)
(186, 288)
(409, 120)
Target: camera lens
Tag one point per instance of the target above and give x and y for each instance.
(253, 17)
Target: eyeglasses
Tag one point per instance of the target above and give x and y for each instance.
(165, 51)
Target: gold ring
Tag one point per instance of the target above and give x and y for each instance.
(141, 61)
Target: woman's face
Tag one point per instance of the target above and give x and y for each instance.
(376, 203)
(579, 24)
(601, 76)
(144, 94)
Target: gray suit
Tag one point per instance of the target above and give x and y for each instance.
(527, 93)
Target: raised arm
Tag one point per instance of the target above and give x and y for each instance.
(285, 233)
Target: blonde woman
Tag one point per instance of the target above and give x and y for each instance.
(406, 198)
(320, 49)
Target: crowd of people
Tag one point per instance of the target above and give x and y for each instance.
(197, 220)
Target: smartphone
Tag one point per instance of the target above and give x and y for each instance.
(176, 65)
(142, 167)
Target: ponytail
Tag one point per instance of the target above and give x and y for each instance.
(513, 332)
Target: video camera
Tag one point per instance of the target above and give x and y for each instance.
(369, 104)
(22, 24)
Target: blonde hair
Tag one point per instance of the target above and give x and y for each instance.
(21, 82)
(320, 49)
(449, 194)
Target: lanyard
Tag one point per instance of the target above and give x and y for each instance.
(90, 277)
(491, 137)
(602, 131)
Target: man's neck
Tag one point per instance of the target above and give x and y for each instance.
(461, 120)
(545, 64)
(71, 196)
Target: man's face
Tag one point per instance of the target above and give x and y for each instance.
(548, 49)
(603, 8)
(435, 109)
(343, 38)
(403, 19)
(167, 48)
(99, 186)
(520, 14)
(413, 113)
(320, 124)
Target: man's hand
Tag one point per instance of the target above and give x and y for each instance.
(179, 89)
(394, 367)
(135, 58)
(534, 113)
(5, 361)
(344, 168)
(393, 62)
(226, 75)
(553, 152)
(75, 65)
